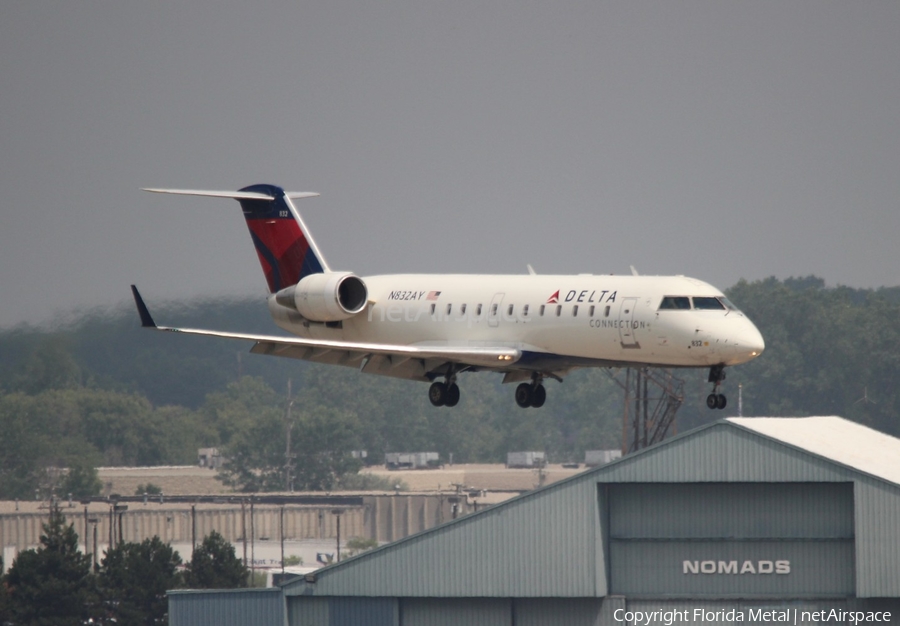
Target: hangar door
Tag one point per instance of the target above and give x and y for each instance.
(747, 539)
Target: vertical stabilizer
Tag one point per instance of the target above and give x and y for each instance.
(286, 250)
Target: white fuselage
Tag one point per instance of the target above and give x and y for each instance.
(565, 321)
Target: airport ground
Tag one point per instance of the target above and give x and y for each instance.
(191, 480)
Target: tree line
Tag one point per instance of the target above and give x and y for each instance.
(102, 391)
(56, 584)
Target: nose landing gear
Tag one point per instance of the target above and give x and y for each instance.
(716, 400)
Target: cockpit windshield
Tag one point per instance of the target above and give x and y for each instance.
(697, 303)
(729, 304)
(675, 302)
(706, 303)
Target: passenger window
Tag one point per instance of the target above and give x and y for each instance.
(478, 311)
(575, 311)
(680, 303)
(432, 309)
(606, 312)
(591, 311)
(493, 310)
(509, 311)
(462, 310)
(541, 312)
(449, 307)
(558, 309)
(708, 304)
(525, 311)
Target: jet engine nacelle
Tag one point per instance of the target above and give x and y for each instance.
(326, 297)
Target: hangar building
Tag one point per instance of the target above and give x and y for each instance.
(745, 514)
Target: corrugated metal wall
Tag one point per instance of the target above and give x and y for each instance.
(716, 612)
(241, 607)
(722, 453)
(554, 612)
(545, 545)
(732, 510)
(307, 611)
(727, 568)
(745, 539)
(877, 540)
(368, 611)
(455, 611)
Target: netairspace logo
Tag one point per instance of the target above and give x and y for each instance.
(769, 615)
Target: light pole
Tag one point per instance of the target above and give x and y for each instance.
(93, 521)
(120, 510)
(337, 513)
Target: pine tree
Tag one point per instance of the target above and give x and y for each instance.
(215, 566)
(52, 584)
(134, 578)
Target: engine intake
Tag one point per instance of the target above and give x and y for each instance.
(326, 297)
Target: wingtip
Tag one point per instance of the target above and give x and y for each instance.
(146, 319)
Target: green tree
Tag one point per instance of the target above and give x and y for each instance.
(325, 437)
(82, 481)
(5, 606)
(134, 578)
(358, 545)
(22, 447)
(53, 584)
(50, 366)
(149, 489)
(215, 566)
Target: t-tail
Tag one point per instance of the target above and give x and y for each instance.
(285, 248)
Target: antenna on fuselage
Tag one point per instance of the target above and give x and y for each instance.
(531, 269)
(634, 271)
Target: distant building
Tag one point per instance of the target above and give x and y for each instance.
(595, 458)
(411, 460)
(209, 457)
(526, 459)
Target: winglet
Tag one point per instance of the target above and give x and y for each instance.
(146, 319)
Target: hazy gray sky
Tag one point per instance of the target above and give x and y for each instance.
(722, 140)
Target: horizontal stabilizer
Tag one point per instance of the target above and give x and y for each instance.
(237, 195)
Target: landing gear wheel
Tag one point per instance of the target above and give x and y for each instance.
(539, 396)
(716, 400)
(438, 394)
(452, 395)
(524, 395)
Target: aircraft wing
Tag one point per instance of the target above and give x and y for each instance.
(401, 361)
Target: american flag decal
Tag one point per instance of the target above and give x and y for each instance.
(433, 295)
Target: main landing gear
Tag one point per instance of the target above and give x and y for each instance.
(531, 394)
(716, 376)
(527, 394)
(444, 394)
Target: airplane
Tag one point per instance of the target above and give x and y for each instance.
(530, 327)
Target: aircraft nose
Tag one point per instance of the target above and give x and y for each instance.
(751, 343)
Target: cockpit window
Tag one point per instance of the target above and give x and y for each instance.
(675, 302)
(708, 304)
(729, 304)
